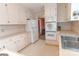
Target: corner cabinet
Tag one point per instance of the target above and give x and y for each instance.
(62, 12)
(11, 13)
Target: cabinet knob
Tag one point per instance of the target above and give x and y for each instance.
(8, 21)
(15, 42)
(5, 4)
(3, 46)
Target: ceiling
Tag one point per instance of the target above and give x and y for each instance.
(35, 7)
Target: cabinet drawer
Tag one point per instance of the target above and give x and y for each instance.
(50, 35)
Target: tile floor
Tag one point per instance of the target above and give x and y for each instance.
(40, 49)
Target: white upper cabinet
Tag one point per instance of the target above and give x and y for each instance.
(22, 15)
(11, 13)
(62, 12)
(51, 10)
(3, 14)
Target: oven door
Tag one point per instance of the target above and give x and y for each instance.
(51, 26)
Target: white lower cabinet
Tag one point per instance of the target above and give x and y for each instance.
(2, 45)
(20, 42)
(10, 44)
(14, 43)
(28, 38)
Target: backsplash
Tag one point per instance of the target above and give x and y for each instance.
(65, 25)
(75, 26)
(11, 29)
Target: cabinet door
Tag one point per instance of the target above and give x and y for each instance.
(62, 12)
(20, 42)
(22, 15)
(13, 13)
(2, 45)
(3, 13)
(50, 10)
(10, 44)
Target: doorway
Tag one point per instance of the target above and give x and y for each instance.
(41, 28)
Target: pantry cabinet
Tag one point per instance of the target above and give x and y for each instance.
(50, 22)
(20, 42)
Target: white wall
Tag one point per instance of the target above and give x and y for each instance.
(65, 25)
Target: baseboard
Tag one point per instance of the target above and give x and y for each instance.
(28, 45)
(25, 47)
(35, 42)
(54, 43)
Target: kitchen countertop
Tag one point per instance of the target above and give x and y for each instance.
(68, 33)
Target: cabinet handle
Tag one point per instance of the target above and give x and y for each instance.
(5, 4)
(3, 46)
(8, 21)
(15, 42)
